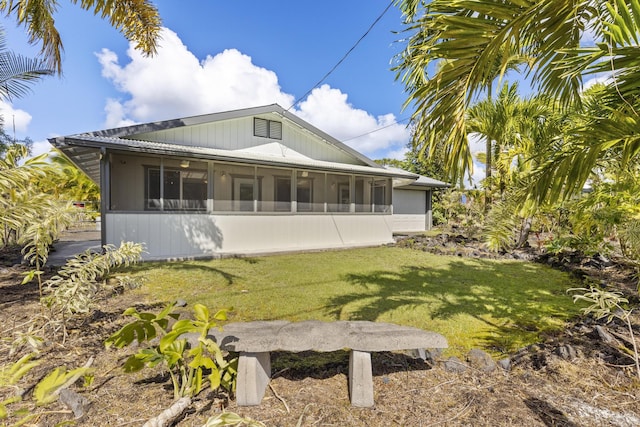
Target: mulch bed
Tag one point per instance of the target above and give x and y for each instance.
(590, 383)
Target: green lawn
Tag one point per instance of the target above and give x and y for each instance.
(497, 305)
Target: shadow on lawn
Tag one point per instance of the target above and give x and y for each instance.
(186, 266)
(513, 299)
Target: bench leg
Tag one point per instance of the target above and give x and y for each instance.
(254, 372)
(360, 379)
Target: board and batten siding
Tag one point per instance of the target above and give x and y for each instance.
(410, 211)
(184, 235)
(237, 134)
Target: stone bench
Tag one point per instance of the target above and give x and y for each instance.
(255, 340)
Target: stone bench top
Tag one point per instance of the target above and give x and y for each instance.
(275, 335)
(255, 340)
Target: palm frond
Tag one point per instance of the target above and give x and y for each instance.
(18, 73)
(138, 20)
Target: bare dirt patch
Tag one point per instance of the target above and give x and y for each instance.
(573, 378)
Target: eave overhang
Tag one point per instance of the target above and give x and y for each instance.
(85, 151)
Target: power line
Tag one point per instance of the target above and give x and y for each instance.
(343, 58)
(377, 129)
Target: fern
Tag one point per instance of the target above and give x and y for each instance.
(501, 226)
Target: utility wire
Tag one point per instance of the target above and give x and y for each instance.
(377, 129)
(343, 58)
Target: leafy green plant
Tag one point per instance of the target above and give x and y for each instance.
(10, 375)
(48, 389)
(587, 245)
(500, 226)
(39, 236)
(191, 367)
(74, 288)
(231, 419)
(609, 305)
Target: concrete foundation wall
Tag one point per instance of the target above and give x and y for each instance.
(184, 235)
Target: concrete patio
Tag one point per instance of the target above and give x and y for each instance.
(71, 243)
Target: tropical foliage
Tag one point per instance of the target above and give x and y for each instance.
(18, 73)
(71, 183)
(190, 365)
(541, 151)
(456, 50)
(137, 20)
(74, 289)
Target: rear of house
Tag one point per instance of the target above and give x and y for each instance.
(248, 181)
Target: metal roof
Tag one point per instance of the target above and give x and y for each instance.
(85, 152)
(422, 182)
(84, 149)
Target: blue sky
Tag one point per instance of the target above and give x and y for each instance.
(218, 56)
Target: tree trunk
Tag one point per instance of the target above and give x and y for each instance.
(487, 188)
(524, 232)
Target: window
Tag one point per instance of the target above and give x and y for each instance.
(304, 193)
(243, 194)
(381, 196)
(183, 189)
(267, 128)
(338, 193)
(344, 197)
(283, 193)
(362, 190)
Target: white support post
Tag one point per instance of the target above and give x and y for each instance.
(360, 379)
(254, 372)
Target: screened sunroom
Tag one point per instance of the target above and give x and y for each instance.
(248, 181)
(164, 184)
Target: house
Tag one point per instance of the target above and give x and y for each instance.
(247, 181)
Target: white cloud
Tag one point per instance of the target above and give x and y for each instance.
(328, 110)
(602, 78)
(398, 154)
(174, 83)
(476, 145)
(40, 147)
(116, 114)
(12, 116)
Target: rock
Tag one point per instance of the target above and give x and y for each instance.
(505, 363)
(77, 403)
(432, 355)
(454, 365)
(566, 352)
(417, 353)
(605, 336)
(480, 360)
(181, 303)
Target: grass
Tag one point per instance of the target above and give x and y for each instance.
(496, 305)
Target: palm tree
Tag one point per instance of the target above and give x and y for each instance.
(17, 72)
(138, 20)
(70, 181)
(495, 122)
(450, 61)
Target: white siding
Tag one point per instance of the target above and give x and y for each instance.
(237, 134)
(179, 235)
(409, 210)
